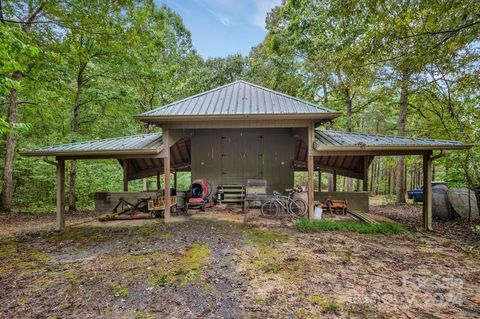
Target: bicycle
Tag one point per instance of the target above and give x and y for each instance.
(293, 206)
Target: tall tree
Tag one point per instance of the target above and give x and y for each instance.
(30, 16)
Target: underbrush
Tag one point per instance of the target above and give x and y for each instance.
(304, 225)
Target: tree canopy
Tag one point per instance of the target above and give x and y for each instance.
(79, 70)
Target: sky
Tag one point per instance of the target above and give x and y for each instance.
(223, 27)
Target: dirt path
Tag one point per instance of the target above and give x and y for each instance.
(214, 267)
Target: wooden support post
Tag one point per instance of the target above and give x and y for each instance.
(334, 181)
(427, 192)
(311, 189)
(310, 164)
(125, 176)
(175, 180)
(61, 195)
(319, 181)
(166, 172)
(158, 180)
(365, 174)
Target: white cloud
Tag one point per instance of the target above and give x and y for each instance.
(224, 19)
(261, 9)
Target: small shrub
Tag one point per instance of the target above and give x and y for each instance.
(160, 281)
(325, 304)
(304, 225)
(476, 230)
(120, 291)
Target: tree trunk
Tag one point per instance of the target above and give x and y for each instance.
(402, 120)
(348, 104)
(72, 196)
(10, 143)
(330, 183)
(11, 140)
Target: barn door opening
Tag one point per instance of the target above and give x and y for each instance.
(242, 156)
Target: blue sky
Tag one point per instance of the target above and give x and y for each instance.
(223, 27)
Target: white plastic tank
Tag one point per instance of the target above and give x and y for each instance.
(318, 214)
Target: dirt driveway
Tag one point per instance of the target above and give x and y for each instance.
(213, 267)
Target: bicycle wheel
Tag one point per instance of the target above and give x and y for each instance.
(269, 208)
(298, 207)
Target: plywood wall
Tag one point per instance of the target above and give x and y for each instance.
(231, 156)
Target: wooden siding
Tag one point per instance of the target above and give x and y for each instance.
(231, 156)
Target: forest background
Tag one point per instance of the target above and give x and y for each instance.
(79, 70)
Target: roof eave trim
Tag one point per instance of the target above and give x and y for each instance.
(392, 148)
(286, 116)
(112, 153)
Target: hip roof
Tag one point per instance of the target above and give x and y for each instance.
(239, 98)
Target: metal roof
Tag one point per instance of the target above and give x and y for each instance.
(237, 98)
(328, 140)
(334, 140)
(144, 143)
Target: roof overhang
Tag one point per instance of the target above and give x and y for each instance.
(101, 154)
(242, 117)
(135, 146)
(331, 143)
(387, 150)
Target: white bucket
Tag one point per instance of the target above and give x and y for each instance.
(318, 213)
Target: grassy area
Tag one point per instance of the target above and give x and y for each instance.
(305, 225)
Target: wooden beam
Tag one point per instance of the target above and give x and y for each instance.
(61, 195)
(166, 172)
(310, 164)
(302, 166)
(125, 175)
(365, 173)
(241, 121)
(158, 180)
(427, 192)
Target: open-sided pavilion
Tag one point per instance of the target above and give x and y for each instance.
(243, 131)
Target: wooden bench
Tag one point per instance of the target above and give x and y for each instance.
(335, 206)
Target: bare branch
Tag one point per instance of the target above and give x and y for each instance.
(456, 30)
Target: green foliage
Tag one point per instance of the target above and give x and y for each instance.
(476, 229)
(15, 53)
(110, 60)
(120, 291)
(325, 304)
(304, 225)
(262, 237)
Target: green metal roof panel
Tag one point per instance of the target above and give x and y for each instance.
(144, 142)
(331, 139)
(237, 98)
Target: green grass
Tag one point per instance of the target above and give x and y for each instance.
(307, 226)
(262, 237)
(326, 304)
